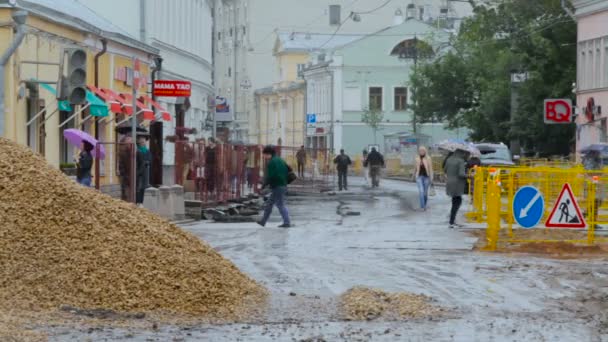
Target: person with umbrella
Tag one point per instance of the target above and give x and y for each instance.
(454, 169)
(88, 145)
(85, 163)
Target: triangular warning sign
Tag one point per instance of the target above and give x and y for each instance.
(566, 212)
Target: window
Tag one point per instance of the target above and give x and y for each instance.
(219, 36)
(400, 98)
(244, 30)
(229, 72)
(301, 70)
(375, 98)
(231, 32)
(352, 99)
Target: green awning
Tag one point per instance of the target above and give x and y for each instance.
(97, 107)
(64, 106)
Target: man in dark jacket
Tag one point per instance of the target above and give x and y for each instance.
(85, 163)
(276, 179)
(142, 168)
(456, 182)
(375, 161)
(342, 162)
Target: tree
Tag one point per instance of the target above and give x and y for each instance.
(470, 86)
(373, 117)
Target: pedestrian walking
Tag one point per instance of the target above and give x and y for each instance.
(363, 167)
(210, 165)
(301, 161)
(275, 178)
(342, 162)
(456, 182)
(85, 163)
(423, 175)
(142, 168)
(375, 162)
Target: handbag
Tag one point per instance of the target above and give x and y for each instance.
(291, 176)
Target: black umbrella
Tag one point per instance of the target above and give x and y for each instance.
(127, 129)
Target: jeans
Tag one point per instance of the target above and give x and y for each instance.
(300, 170)
(342, 179)
(423, 190)
(86, 181)
(456, 203)
(374, 173)
(277, 197)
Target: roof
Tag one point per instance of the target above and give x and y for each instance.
(74, 14)
(305, 41)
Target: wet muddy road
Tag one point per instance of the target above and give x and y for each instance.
(377, 239)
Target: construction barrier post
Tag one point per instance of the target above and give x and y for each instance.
(493, 205)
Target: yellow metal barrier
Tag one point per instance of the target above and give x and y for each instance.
(493, 192)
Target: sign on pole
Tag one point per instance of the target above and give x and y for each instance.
(311, 118)
(566, 213)
(165, 88)
(528, 206)
(558, 111)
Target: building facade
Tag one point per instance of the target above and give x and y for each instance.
(182, 32)
(370, 77)
(592, 72)
(245, 31)
(33, 115)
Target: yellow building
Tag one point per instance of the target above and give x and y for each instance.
(280, 109)
(31, 115)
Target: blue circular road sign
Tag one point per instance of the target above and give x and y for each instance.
(528, 206)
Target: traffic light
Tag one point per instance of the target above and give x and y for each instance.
(76, 80)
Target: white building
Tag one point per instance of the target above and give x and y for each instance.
(182, 31)
(245, 35)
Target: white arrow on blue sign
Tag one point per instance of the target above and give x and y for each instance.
(311, 118)
(528, 206)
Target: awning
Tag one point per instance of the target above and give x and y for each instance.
(64, 106)
(114, 104)
(164, 113)
(148, 113)
(126, 106)
(97, 107)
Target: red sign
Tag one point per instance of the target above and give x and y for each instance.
(172, 88)
(566, 213)
(558, 111)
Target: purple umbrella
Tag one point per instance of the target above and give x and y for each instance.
(76, 137)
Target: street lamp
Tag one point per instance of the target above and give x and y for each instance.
(518, 77)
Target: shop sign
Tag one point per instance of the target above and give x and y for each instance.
(126, 75)
(172, 88)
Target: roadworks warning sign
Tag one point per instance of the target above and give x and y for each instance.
(566, 213)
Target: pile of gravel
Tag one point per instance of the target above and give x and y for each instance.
(63, 244)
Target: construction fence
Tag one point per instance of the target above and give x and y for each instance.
(493, 191)
(228, 172)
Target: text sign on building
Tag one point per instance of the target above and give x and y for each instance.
(172, 88)
(558, 111)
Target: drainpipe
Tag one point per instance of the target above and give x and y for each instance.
(19, 17)
(142, 20)
(568, 10)
(104, 48)
(156, 133)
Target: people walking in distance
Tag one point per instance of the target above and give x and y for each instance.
(456, 181)
(375, 162)
(85, 163)
(342, 162)
(424, 175)
(301, 161)
(363, 167)
(276, 179)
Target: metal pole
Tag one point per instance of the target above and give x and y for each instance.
(134, 133)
